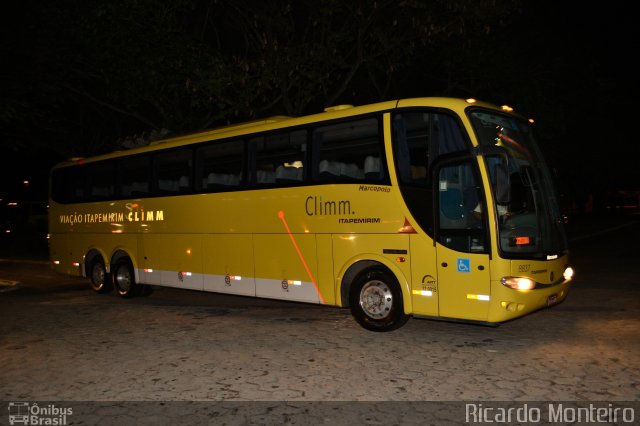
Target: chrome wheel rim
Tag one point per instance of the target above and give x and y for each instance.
(124, 279)
(376, 299)
(97, 275)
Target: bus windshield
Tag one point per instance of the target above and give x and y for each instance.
(530, 223)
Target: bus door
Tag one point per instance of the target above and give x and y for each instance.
(462, 251)
(442, 189)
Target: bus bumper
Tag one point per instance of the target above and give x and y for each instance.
(68, 268)
(507, 303)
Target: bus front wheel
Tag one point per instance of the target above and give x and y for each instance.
(98, 276)
(124, 278)
(376, 301)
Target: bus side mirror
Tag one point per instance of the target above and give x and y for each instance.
(501, 184)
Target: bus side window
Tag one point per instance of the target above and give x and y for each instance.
(350, 151)
(172, 174)
(412, 141)
(278, 159)
(460, 205)
(101, 180)
(420, 139)
(219, 166)
(134, 176)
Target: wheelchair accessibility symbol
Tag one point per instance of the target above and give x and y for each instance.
(464, 265)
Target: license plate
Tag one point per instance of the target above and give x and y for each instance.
(552, 300)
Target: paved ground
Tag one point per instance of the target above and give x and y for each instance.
(61, 342)
(73, 345)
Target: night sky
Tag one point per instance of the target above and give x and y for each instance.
(566, 64)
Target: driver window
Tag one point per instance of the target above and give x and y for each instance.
(461, 207)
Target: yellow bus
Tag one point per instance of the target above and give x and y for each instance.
(430, 207)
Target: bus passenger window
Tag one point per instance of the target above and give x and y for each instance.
(173, 172)
(420, 138)
(134, 175)
(349, 151)
(279, 159)
(101, 180)
(412, 143)
(219, 166)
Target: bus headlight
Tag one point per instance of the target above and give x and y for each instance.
(518, 283)
(568, 273)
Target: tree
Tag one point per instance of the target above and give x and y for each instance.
(94, 72)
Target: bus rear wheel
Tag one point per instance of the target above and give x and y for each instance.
(376, 301)
(124, 278)
(98, 276)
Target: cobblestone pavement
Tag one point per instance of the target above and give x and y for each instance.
(59, 341)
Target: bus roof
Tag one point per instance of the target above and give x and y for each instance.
(278, 122)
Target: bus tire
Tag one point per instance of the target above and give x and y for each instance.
(98, 276)
(376, 300)
(124, 279)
